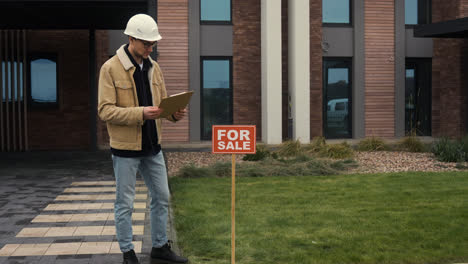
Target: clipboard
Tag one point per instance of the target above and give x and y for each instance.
(174, 102)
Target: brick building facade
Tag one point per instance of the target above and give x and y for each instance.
(377, 64)
(450, 81)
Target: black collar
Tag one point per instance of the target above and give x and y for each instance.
(146, 62)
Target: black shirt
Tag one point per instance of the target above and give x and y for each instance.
(149, 144)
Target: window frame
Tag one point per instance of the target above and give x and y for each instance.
(418, 64)
(351, 18)
(424, 7)
(216, 22)
(31, 103)
(348, 63)
(202, 109)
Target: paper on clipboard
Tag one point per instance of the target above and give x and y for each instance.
(175, 102)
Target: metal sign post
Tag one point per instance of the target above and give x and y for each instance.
(233, 210)
(233, 139)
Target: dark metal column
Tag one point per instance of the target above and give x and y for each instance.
(7, 87)
(13, 91)
(153, 12)
(92, 91)
(2, 137)
(25, 93)
(20, 100)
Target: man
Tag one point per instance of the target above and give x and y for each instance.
(131, 86)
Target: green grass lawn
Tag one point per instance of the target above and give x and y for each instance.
(378, 218)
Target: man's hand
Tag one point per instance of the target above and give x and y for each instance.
(180, 114)
(151, 112)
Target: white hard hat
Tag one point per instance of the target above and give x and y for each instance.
(143, 27)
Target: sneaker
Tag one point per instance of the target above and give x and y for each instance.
(164, 254)
(130, 257)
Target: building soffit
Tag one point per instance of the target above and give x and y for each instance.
(68, 14)
(457, 28)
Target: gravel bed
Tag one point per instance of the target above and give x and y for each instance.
(393, 161)
(369, 162)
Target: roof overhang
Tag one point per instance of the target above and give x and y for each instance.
(457, 28)
(69, 14)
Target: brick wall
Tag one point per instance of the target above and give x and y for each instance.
(247, 63)
(316, 83)
(102, 55)
(173, 59)
(68, 126)
(379, 68)
(464, 8)
(449, 79)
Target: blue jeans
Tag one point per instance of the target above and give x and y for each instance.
(153, 170)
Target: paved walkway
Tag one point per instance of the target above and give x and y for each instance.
(57, 207)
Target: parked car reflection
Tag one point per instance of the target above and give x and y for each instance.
(337, 113)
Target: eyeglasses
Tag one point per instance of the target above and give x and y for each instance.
(147, 44)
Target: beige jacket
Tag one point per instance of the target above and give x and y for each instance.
(118, 101)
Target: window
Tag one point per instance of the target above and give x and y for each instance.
(417, 12)
(216, 84)
(12, 86)
(215, 11)
(336, 11)
(337, 97)
(43, 81)
(418, 97)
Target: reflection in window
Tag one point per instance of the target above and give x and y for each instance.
(336, 11)
(417, 12)
(216, 94)
(411, 12)
(8, 83)
(418, 97)
(337, 95)
(215, 10)
(43, 81)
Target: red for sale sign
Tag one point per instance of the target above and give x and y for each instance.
(234, 139)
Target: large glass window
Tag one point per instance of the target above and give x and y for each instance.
(337, 98)
(215, 11)
(12, 81)
(417, 12)
(216, 93)
(43, 80)
(418, 97)
(336, 11)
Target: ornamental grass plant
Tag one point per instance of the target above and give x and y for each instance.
(372, 144)
(411, 143)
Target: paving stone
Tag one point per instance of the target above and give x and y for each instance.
(107, 259)
(32, 180)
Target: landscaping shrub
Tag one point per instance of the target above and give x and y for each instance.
(464, 146)
(372, 144)
(220, 169)
(317, 144)
(289, 149)
(337, 151)
(448, 150)
(342, 165)
(297, 159)
(412, 143)
(302, 165)
(260, 154)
